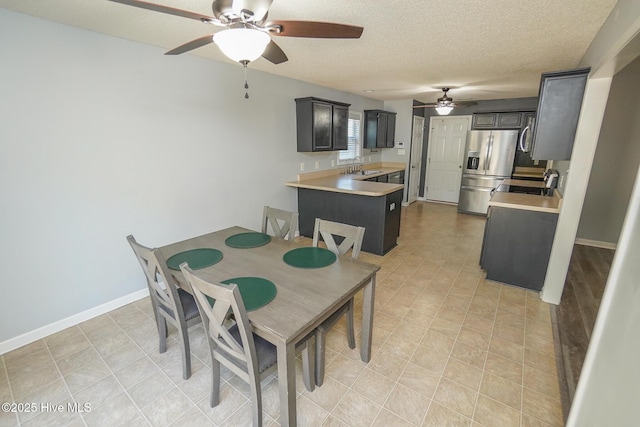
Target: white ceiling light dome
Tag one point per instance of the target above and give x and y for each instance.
(242, 44)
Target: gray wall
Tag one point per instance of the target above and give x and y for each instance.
(494, 105)
(102, 137)
(616, 160)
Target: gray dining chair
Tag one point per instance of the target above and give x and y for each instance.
(170, 303)
(233, 344)
(351, 240)
(284, 224)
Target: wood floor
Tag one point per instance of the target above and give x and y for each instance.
(575, 316)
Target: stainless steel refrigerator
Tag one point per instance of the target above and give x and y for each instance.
(488, 160)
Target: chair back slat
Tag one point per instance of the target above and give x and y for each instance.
(223, 344)
(352, 237)
(157, 274)
(284, 224)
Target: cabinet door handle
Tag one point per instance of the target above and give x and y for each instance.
(522, 139)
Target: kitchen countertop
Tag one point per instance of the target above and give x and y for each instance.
(528, 172)
(334, 180)
(531, 202)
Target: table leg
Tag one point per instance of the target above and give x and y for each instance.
(287, 383)
(367, 320)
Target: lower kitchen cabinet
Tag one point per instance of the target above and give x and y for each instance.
(517, 245)
(379, 215)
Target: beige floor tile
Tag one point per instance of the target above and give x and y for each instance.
(431, 360)
(386, 418)
(356, 410)
(344, 369)
(167, 408)
(419, 379)
(478, 324)
(308, 413)
(541, 382)
(86, 376)
(541, 361)
(474, 338)
(445, 327)
(441, 416)
(492, 413)
(509, 333)
(230, 400)
(502, 390)
(407, 403)
(456, 397)
(53, 393)
(462, 373)
(504, 368)
(437, 342)
(29, 383)
(149, 389)
(469, 354)
(507, 349)
(387, 364)
(373, 385)
(193, 418)
(542, 407)
(329, 394)
(137, 371)
(114, 411)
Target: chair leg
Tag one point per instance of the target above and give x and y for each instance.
(320, 349)
(351, 335)
(308, 364)
(215, 383)
(162, 333)
(186, 351)
(256, 402)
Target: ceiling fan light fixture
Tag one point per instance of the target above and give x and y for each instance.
(242, 44)
(443, 110)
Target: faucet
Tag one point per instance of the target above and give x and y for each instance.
(359, 167)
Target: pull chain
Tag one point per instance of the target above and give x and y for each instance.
(246, 85)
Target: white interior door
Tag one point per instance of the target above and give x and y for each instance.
(416, 158)
(445, 156)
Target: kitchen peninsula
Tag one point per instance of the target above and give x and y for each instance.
(518, 235)
(354, 199)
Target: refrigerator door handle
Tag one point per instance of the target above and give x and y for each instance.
(522, 136)
(487, 162)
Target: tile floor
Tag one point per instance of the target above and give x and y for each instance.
(450, 349)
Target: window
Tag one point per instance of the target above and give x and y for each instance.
(353, 139)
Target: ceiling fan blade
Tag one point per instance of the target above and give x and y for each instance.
(323, 30)
(274, 54)
(193, 44)
(166, 9)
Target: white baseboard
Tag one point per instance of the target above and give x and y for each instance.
(44, 331)
(596, 244)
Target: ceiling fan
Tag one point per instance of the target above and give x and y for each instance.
(247, 32)
(445, 104)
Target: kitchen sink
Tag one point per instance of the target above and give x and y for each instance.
(370, 172)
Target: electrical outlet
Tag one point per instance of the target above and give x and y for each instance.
(301, 167)
(369, 159)
(333, 163)
(317, 165)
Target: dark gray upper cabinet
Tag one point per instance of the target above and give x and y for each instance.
(559, 104)
(507, 120)
(379, 129)
(321, 124)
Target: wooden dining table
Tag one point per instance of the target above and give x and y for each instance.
(305, 296)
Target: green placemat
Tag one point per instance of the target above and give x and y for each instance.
(309, 257)
(196, 258)
(247, 240)
(256, 292)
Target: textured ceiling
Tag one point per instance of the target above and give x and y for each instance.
(482, 49)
